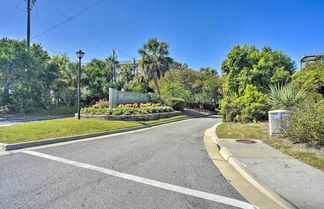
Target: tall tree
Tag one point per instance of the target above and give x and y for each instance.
(248, 72)
(209, 71)
(178, 66)
(155, 61)
(26, 77)
(98, 74)
(247, 65)
(65, 86)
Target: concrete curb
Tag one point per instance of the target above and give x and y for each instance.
(8, 147)
(2, 145)
(240, 168)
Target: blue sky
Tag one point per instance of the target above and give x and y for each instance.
(199, 32)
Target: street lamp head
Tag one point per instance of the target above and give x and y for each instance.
(79, 54)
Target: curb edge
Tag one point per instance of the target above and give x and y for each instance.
(10, 147)
(236, 164)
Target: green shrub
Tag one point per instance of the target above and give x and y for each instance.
(304, 123)
(135, 87)
(177, 103)
(253, 106)
(171, 90)
(311, 79)
(117, 111)
(285, 97)
(209, 106)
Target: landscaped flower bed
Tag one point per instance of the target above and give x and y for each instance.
(140, 105)
(138, 111)
(125, 110)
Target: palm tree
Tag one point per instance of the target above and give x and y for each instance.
(154, 62)
(126, 74)
(210, 71)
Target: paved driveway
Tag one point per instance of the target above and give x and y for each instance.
(160, 167)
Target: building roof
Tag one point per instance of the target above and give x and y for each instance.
(312, 58)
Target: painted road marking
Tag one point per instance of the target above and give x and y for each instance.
(162, 185)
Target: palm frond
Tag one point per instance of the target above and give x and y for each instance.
(285, 97)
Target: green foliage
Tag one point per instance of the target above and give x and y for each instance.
(126, 74)
(251, 107)
(125, 110)
(177, 103)
(65, 85)
(97, 77)
(135, 87)
(255, 105)
(26, 77)
(247, 65)
(57, 110)
(247, 74)
(198, 89)
(311, 79)
(155, 61)
(304, 123)
(285, 97)
(209, 71)
(65, 127)
(174, 65)
(170, 90)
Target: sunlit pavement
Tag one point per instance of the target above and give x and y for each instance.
(161, 167)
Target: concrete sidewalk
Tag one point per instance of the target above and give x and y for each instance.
(285, 180)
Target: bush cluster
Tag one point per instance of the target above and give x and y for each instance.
(197, 89)
(304, 123)
(177, 103)
(253, 106)
(125, 110)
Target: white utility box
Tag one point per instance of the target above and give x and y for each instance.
(274, 116)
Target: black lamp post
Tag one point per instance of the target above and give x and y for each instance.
(80, 56)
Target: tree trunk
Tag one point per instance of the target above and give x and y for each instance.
(6, 87)
(156, 84)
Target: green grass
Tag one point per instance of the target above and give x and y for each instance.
(57, 110)
(255, 131)
(65, 127)
(241, 131)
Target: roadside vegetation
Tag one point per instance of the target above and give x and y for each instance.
(65, 127)
(102, 108)
(257, 81)
(56, 110)
(253, 81)
(36, 83)
(229, 130)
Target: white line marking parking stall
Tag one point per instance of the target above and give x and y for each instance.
(162, 185)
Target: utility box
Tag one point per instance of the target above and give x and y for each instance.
(274, 116)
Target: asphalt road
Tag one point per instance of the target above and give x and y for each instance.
(168, 166)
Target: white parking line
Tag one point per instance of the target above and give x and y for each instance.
(162, 185)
